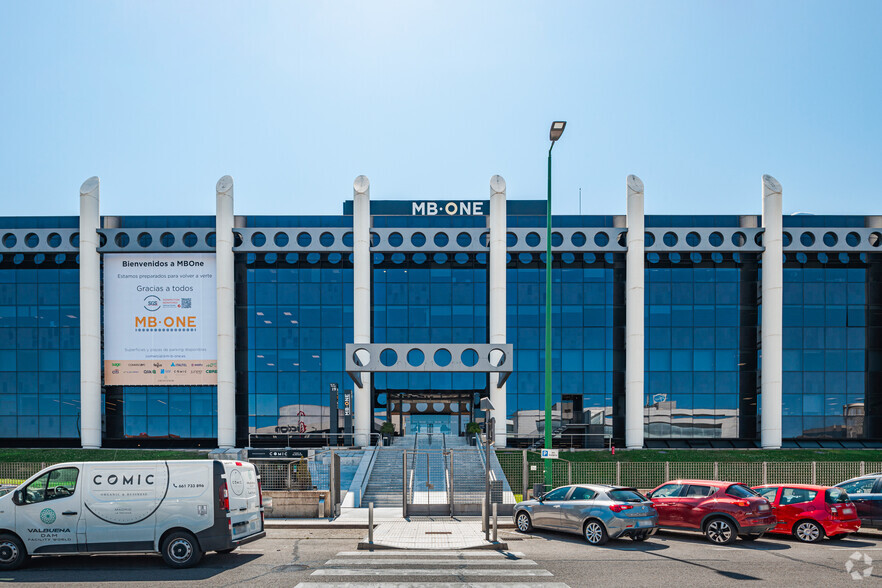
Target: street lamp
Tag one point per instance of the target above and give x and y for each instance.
(557, 129)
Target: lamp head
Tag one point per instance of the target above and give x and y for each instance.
(557, 129)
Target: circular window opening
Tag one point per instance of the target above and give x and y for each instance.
(419, 258)
(398, 257)
(830, 239)
(347, 239)
(786, 239)
(674, 257)
(463, 239)
(304, 239)
(121, 240)
(422, 406)
(415, 357)
(167, 239)
(334, 258)
(258, 239)
(652, 257)
(395, 239)
(418, 239)
(807, 239)
(578, 239)
(648, 239)
(280, 239)
(693, 239)
(556, 239)
(715, 239)
(717, 257)
(9, 240)
(601, 239)
(589, 258)
(469, 357)
(60, 258)
(190, 239)
(510, 239)
(461, 258)
(874, 239)
(496, 357)
(670, 239)
(32, 240)
(843, 258)
(438, 407)
(361, 357)
(695, 257)
(292, 258)
(270, 258)
(525, 258)
(375, 239)
(388, 357)
(568, 257)
(853, 239)
(145, 239)
(327, 239)
(441, 239)
(211, 239)
(54, 240)
(739, 239)
(313, 257)
(532, 239)
(442, 357)
(440, 258)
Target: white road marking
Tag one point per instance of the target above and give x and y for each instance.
(410, 561)
(426, 552)
(424, 572)
(431, 585)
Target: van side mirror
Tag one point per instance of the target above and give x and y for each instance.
(17, 497)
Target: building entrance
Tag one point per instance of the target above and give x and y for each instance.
(438, 412)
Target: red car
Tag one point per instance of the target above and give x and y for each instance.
(810, 512)
(720, 510)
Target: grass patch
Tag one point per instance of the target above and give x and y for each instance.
(63, 455)
(711, 455)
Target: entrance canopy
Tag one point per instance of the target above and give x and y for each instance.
(429, 357)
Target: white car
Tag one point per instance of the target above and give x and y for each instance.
(180, 509)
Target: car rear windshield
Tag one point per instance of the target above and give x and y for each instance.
(626, 496)
(739, 491)
(835, 496)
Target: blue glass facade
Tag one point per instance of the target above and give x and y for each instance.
(294, 316)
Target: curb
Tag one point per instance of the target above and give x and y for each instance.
(268, 526)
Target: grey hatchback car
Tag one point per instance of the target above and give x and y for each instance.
(599, 512)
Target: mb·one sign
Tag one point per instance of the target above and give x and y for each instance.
(451, 208)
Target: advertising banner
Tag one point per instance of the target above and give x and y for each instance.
(160, 319)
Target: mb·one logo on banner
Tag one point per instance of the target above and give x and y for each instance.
(448, 208)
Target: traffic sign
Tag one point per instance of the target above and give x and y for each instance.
(549, 454)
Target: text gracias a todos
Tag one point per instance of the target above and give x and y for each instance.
(170, 322)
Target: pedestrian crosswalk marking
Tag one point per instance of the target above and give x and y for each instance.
(425, 572)
(420, 561)
(404, 568)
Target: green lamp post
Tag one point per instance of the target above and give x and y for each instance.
(557, 129)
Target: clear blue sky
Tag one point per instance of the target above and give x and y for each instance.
(429, 99)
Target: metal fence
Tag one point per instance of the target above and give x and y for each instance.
(522, 473)
(18, 472)
(298, 474)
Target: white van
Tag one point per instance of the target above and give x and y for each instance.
(180, 509)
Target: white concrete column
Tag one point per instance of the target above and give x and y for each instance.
(498, 229)
(771, 326)
(634, 302)
(90, 316)
(361, 307)
(226, 317)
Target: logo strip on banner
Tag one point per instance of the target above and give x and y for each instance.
(160, 319)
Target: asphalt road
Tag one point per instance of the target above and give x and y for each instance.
(323, 558)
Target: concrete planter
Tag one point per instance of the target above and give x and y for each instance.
(299, 504)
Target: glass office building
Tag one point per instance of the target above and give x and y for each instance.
(430, 282)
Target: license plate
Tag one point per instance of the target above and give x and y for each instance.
(847, 511)
(764, 507)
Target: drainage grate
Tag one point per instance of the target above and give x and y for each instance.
(438, 532)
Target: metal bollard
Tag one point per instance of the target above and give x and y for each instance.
(495, 525)
(371, 523)
(484, 518)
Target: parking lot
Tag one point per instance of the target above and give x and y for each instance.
(323, 558)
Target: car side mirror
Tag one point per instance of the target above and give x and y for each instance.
(17, 497)
(649, 494)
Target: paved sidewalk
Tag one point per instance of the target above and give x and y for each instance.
(425, 534)
(350, 518)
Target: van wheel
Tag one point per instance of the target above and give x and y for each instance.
(230, 550)
(181, 550)
(12, 553)
(720, 531)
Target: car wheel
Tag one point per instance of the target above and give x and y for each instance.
(181, 550)
(12, 553)
(720, 531)
(752, 536)
(595, 532)
(808, 531)
(523, 522)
